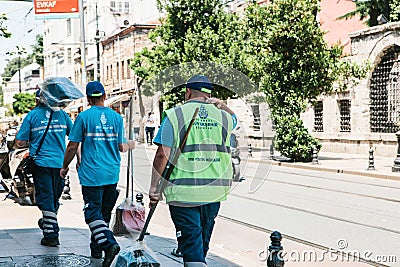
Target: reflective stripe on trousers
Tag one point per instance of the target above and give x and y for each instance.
(99, 202)
(50, 224)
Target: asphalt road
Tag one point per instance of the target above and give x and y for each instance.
(350, 214)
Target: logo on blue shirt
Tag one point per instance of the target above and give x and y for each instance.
(103, 118)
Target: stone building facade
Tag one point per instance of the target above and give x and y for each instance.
(368, 114)
(118, 51)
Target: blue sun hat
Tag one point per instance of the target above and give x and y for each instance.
(200, 83)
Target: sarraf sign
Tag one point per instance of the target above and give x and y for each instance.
(45, 9)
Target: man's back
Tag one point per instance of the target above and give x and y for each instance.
(100, 129)
(33, 128)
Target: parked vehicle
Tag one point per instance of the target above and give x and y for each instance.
(15, 181)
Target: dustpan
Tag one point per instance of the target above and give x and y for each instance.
(139, 255)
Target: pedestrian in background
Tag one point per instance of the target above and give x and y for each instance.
(203, 173)
(149, 127)
(101, 132)
(136, 125)
(46, 175)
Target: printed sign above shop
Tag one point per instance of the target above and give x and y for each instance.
(56, 9)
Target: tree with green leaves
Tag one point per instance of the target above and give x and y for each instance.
(24, 102)
(3, 29)
(13, 66)
(20, 62)
(395, 10)
(287, 54)
(192, 31)
(372, 9)
(37, 51)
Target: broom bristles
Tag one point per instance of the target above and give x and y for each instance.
(118, 227)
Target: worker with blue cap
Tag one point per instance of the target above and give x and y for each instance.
(101, 132)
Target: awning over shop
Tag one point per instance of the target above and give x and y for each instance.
(114, 99)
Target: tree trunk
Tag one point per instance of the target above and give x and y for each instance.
(141, 110)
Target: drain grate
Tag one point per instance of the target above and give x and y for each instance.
(55, 261)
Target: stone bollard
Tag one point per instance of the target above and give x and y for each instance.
(371, 164)
(275, 258)
(271, 151)
(396, 167)
(250, 150)
(65, 194)
(139, 198)
(314, 156)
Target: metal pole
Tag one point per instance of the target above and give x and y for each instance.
(97, 38)
(19, 74)
(83, 49)
(119, 64)
(396, 167)
(83, 44)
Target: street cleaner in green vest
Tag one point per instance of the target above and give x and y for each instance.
(202, 175)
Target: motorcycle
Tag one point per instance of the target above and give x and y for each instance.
(18, 184)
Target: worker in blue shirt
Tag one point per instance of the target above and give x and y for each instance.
(100, 130)
(46, 175)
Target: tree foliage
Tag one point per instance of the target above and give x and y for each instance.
(22, 61)
(13, 66)
(395, 10)
(23, 103)
(372, 9)
(3, 29)
(37, 51)
(192, 31)
(286, 53)
(280, 47)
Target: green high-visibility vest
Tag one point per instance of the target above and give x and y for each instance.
(203, 173)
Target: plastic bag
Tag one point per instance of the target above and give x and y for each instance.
(129, 218)
(138, 255)
(133, 215)
(58, 92)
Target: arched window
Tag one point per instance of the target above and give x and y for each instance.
(385, 93)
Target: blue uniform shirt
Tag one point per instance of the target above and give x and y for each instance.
(100, 129)
(51, 154)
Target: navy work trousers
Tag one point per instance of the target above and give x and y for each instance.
(194, 226)
(48, 189)
(99, 203)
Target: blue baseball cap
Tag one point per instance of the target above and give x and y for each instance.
(95, 88)
(199, 82)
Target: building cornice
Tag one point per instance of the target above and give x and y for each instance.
(393, 26)
(128, 30)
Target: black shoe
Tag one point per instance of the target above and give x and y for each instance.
(40, 223)
(50, 242)
(111, 252)
(96, 254)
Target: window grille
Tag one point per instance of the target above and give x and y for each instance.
(385, 93)
(318, 117)
(344, 108)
